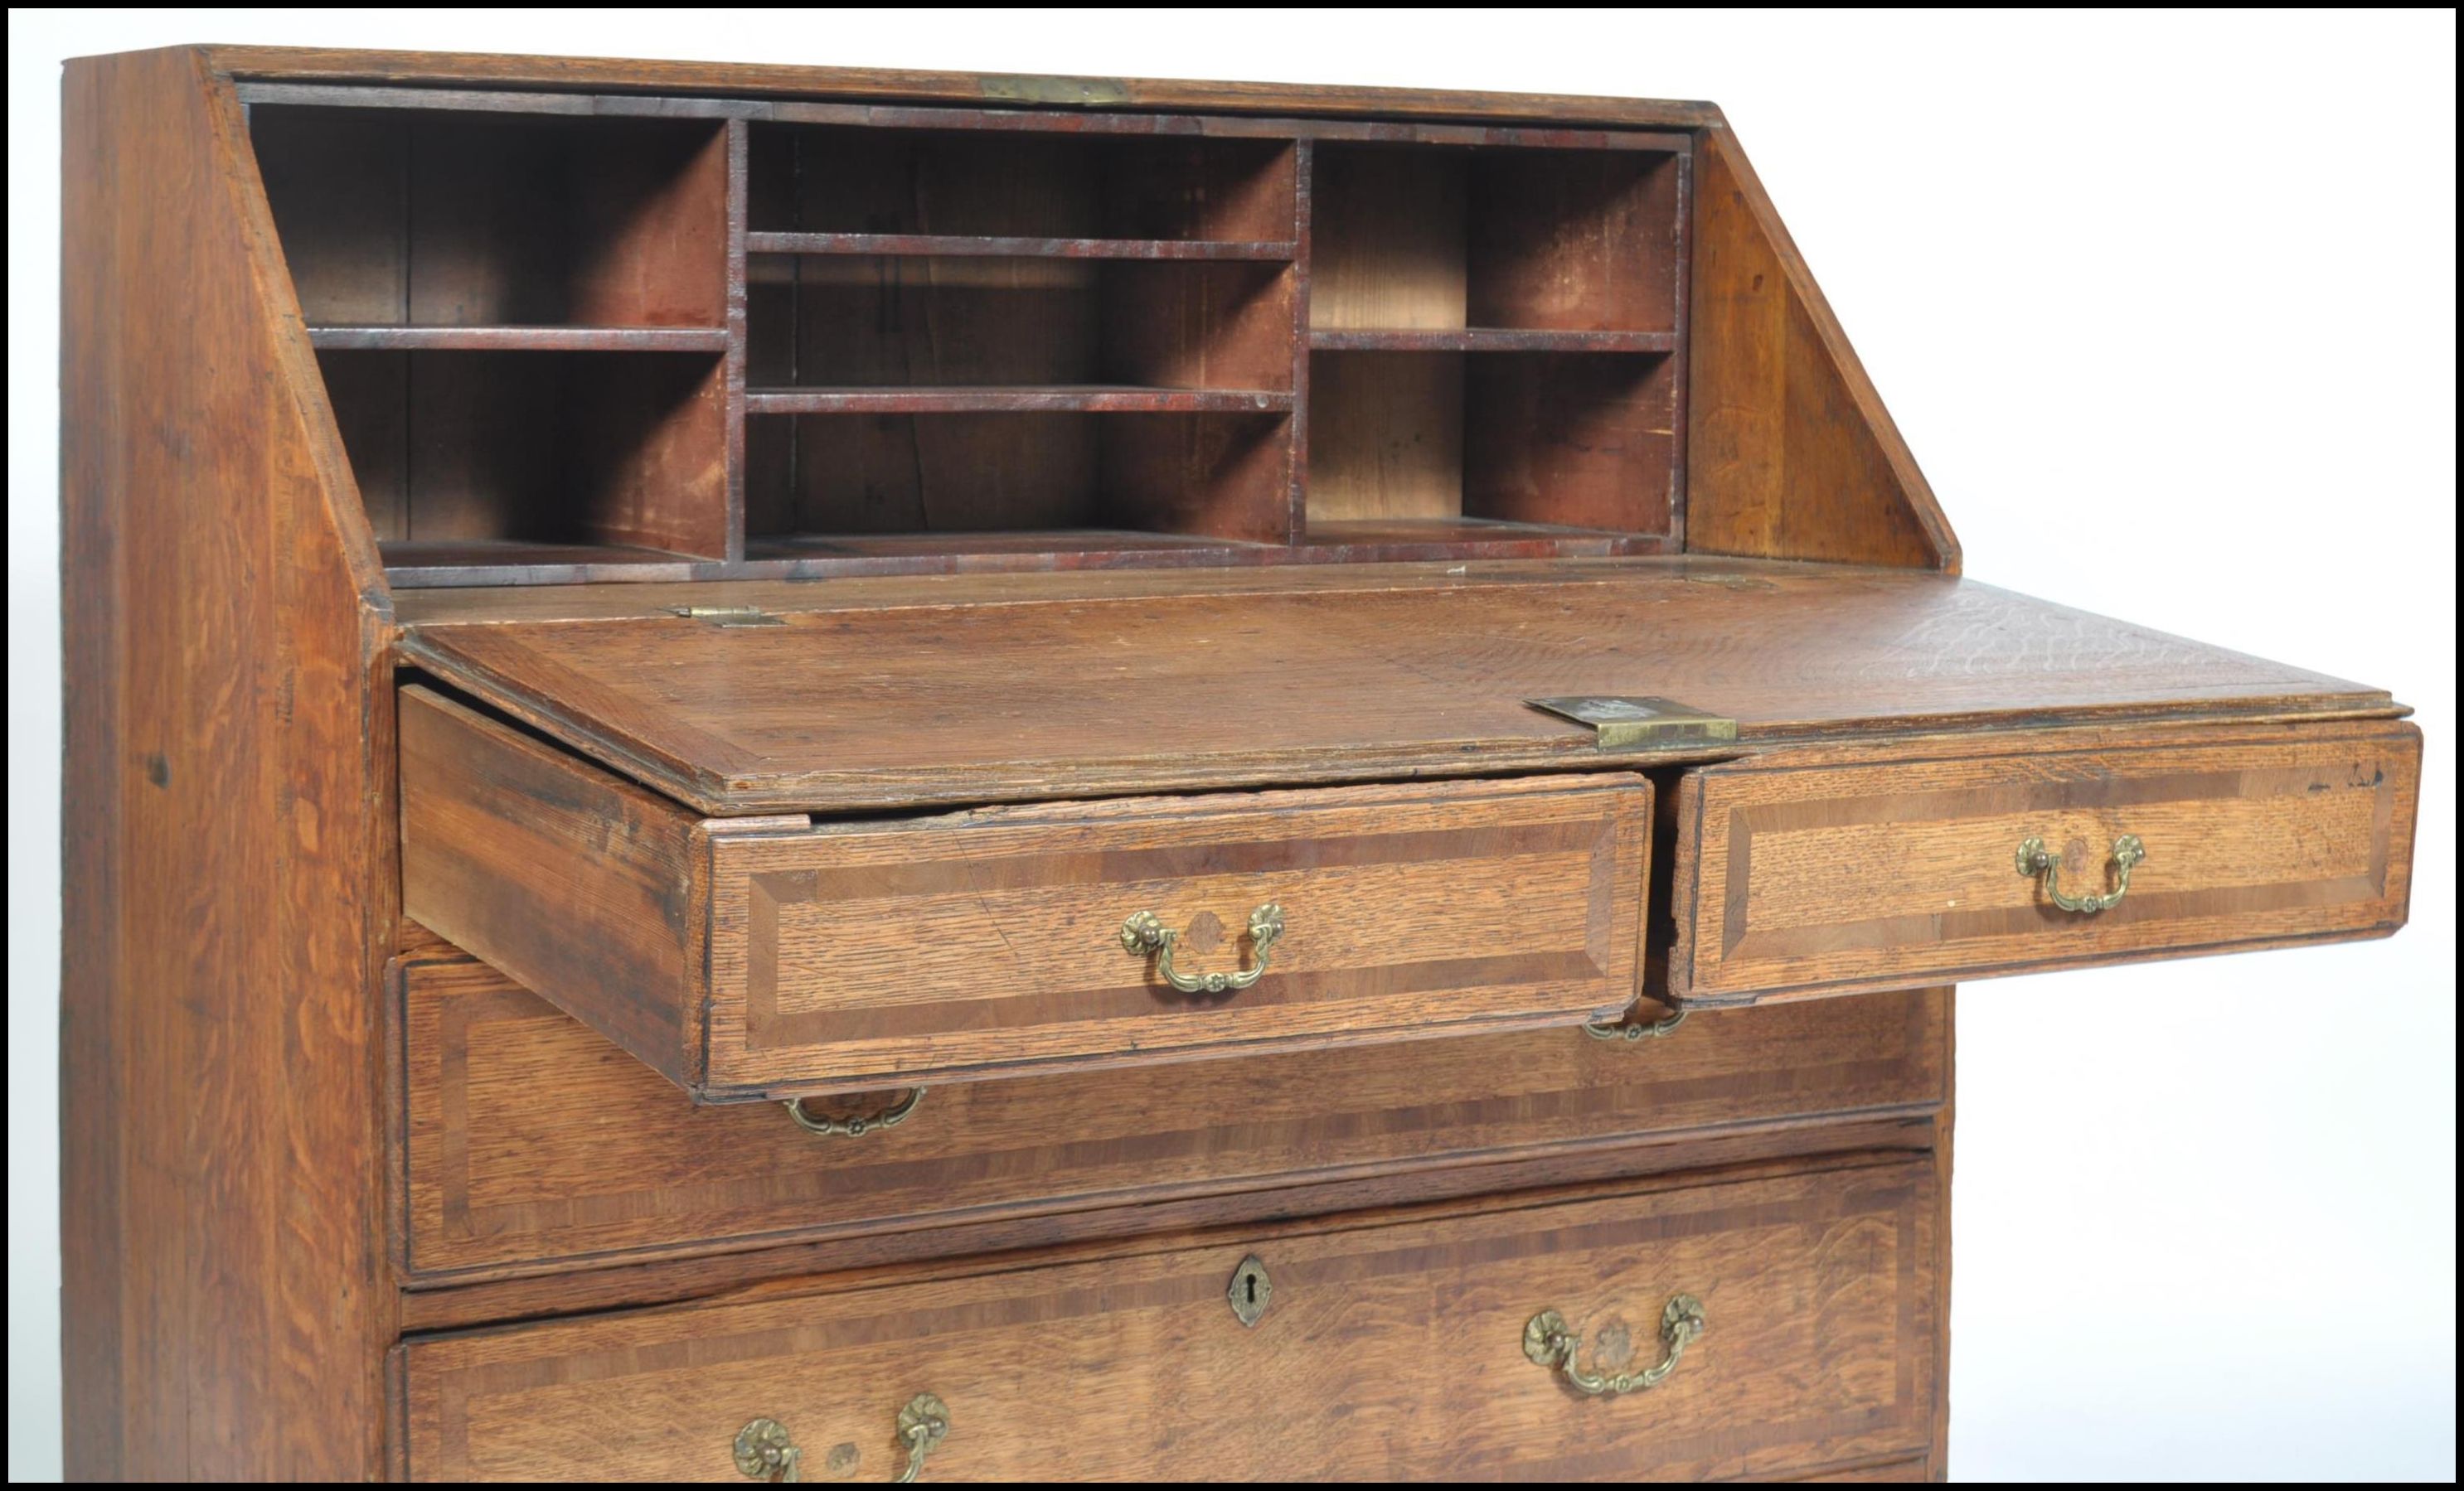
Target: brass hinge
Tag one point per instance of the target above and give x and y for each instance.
(1024, 88)
(1624, 724)
(728, 615)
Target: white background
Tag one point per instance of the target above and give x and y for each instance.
(2165, 304)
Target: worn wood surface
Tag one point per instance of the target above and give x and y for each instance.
(961, 245)
(860, 955)
(423, 219)
(1386, 437)
(1795, 881)
(863, 955)
(1387, 235)
(566, 879)
(1489, 339)
(433, 69)
(893, 707)
(1573, 240)
(515, 339)
(457, 1304)
(616, 1166)
(225, 1302)
(1578, 439)
(1389, 1351)
(1791, 453)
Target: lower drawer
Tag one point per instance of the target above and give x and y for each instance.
(1401, 1347)
(532, 1143)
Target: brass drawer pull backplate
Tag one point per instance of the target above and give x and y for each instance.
(1631, 1029)
(1551, 1341)
(889, 1117)
(1144, 936)
(765, 1452)
(2036, 860)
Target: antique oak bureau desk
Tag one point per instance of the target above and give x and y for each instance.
(798, 774)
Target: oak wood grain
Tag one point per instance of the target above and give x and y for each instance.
(564, 879)
(849, 955)
(532, 1143)
(1791, 453)
(433, 69)
(858, 1261)
(1389, 1351)
(225, 1300)
(844, 710)
(1813, 880)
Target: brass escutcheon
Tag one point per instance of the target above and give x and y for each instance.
(2036, 860)
(1144, 936)
(1250, 1290)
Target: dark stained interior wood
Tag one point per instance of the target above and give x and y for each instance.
(877, 284)
(853, 707)
(819, 179)
(624, 449)
(474, 220)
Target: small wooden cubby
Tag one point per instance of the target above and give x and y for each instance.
(522, 324)
(685, 337)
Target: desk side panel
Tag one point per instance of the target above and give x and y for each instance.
(225, 1304)
(1791, 454)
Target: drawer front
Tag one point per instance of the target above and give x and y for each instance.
(766, 956)
(1386, 1350)
(532, 1143)
(993, 943)
(1831, 879)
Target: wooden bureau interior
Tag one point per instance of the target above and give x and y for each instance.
(1004, 616)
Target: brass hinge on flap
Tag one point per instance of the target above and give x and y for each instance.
(1646, 723)
(728, 615)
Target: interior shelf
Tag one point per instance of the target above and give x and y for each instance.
(517, 339)
(1486, 338)
(994, 399)
(1078, 541)
(568, 348)
(1400, 538)
(974, 246)
(426, 218)
(505, 562)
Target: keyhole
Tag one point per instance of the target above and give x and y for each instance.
(1249, 1291)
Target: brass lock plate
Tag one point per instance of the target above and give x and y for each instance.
(1250, 1292)
(1624, 722)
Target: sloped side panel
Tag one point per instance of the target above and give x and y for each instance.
(1791, 453)
(226, 1305)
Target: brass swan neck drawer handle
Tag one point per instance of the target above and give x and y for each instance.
(1144, 936)
(1551, 1341)
(765, 1452)
(857, 1127)
(2036, 860)
(1631, 1029)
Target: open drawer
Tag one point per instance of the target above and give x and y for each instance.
(873, 833)
(762, 956)
(1796, 878)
